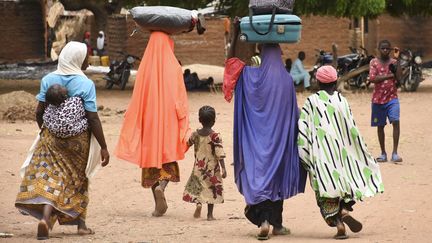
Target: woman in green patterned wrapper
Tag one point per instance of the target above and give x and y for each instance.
(331, 149)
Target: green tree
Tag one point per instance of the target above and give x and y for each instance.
(345, 8)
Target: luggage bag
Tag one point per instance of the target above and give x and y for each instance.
(271, 28)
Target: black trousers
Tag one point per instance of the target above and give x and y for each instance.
(267, 210)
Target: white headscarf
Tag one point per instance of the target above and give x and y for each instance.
(71, 59)
(100, 41)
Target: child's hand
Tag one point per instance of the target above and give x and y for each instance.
(224, 174)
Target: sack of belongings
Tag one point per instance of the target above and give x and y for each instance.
(170, 20)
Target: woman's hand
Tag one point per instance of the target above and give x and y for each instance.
(105, 157)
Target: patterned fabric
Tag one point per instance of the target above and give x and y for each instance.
(331, 207)
(205, 182)
(56, 176)
(386, 90)
(169, 171)
(66, 120)
(333, 151)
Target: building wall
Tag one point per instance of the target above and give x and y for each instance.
(414, 33)
(22, 25)
(320, 32)
(317, 33)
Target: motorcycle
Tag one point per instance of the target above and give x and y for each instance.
(120, 71)
(322, 58)
(353, 69)
(412, 70)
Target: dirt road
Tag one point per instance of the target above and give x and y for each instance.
(120, 210)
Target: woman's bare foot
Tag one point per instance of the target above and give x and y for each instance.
(197, 213)
(161, 205)
(264, 231)
(86, 231)
(83, 229)
(210, 218)
(43, 230)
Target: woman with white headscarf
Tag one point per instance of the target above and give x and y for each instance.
(55, 183)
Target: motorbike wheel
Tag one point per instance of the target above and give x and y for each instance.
(412, 85)
(109, 84)
(361, 80)
(124, 79)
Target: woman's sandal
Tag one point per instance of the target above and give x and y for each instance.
(43, 230)
(340, 236)
(382, 158)
(264, 231)
(281, 231)
(396, 158)
(354, 225)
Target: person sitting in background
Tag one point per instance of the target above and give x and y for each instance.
(299, 73)
(192, 81)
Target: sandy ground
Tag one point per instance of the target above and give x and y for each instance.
(120, 209)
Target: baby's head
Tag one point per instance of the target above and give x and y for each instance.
(207, 116)
(56, 94)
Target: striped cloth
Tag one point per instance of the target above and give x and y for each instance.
(333, 152)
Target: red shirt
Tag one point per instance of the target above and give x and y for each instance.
(386, 90)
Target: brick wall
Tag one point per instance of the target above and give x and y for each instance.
(116, 36)
(317, 33)
(320, 32)
(22, 26)
(405, 32)
(190, 47)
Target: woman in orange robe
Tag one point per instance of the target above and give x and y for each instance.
(156, 123)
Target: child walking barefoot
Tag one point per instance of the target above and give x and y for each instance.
(205, 182)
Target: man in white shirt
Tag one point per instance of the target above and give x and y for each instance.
(299, 73)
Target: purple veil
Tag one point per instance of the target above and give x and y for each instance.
(266, 160)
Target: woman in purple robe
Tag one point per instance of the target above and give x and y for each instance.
(266, 160)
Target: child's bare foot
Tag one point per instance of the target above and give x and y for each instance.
(264, 231)
(197, 213)
(42, 231)
(210, 218)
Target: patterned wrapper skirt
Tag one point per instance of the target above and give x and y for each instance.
(56, 176)
(169, 171)
(331, 207)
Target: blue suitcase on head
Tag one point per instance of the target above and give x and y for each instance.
(271, 28)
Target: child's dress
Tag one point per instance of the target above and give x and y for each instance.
(205, 182)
